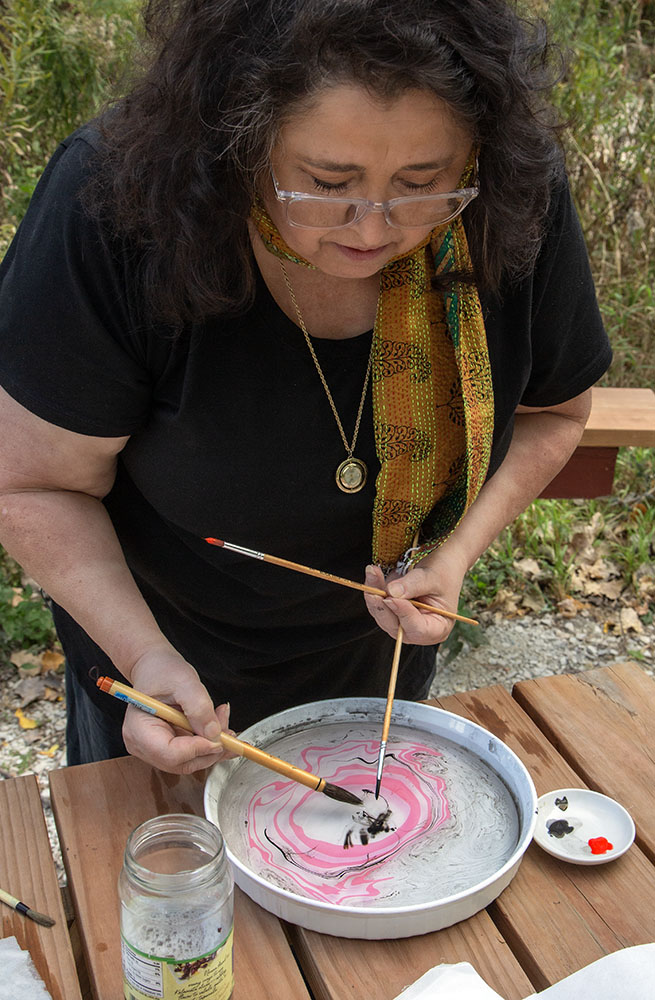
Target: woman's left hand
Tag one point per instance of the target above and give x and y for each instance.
(437, 580)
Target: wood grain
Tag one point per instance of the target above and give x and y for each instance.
(621, 417)
(27, 871)
(603, 722)
(551, 920)
(96, 807)
(378, 970)
(558, 917)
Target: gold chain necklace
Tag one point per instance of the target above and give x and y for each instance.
(351, 474)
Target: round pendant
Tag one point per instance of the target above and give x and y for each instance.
(351, 475)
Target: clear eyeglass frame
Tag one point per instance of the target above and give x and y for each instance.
(295, 200)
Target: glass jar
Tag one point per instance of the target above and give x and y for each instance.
(177, 905)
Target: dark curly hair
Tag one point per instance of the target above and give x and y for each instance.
(185, 149)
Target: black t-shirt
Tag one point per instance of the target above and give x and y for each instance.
(231, 435)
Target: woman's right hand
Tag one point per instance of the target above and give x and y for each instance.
(163, 674)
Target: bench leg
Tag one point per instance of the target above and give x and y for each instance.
(588, 473)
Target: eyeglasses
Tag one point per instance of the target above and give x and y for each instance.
(309, 211)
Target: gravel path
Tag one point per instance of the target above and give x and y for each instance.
(516, 649)
(509, 650)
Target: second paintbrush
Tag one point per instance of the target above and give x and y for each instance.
(299, 568)
(231, 743)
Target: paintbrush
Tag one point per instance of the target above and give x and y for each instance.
(333, 579)
(27, 911)
(387, 714)
(237, 746)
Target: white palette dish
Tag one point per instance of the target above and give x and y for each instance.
(372, 921)
(582, 815)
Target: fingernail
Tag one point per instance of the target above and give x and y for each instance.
(396, 589)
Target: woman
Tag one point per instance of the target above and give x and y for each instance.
(315, 285)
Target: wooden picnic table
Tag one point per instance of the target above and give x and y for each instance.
(595, 729)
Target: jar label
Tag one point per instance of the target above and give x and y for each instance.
(207, 977)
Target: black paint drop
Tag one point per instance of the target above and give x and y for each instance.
(558, 828)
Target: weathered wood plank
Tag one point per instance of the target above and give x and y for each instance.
(27, 871)
(337, 968)
(558, 917)
(96, 807)
(620, 417)
(603, 722)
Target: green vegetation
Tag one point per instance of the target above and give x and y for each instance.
(60, 59)
(25, 621)
(608, 96)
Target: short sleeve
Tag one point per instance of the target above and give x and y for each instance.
(570, 349)
(70, 350)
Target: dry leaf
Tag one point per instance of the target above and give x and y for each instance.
(593, 587)
(583, 539)
(52, 660)
(569, 607)
(505, 601)
(533, 600)
(30, 689)
(645, 583)
(601, 569)
(608, 588)
(530, 568)
(50, 752)
(25, 722)
(629, 620)
(24, 660)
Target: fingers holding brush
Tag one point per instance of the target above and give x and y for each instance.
(423, 583)
(377, 606)
(166, 676)
(157, 743)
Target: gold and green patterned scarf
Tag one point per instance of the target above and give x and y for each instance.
(433, 407)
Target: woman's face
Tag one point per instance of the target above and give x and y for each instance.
(352, 144)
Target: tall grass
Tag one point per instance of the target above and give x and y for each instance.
(59, 60)
(608, 96)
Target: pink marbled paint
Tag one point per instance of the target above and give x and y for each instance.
(302, 835)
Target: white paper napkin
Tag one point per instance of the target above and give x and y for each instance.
(624, 975)
(448, 981)
(628, 974)
(19, 976)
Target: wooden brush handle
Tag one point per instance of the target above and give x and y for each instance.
(354, 585)
(392, 684)
(232, 743)
(283, 767)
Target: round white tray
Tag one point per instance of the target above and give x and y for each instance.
(373, 920)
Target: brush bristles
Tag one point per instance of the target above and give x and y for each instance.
(341, 794)
(39, 918)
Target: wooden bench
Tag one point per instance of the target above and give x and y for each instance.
(27, 871)
(619, 418)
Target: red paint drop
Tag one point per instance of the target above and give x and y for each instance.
(599, 845)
